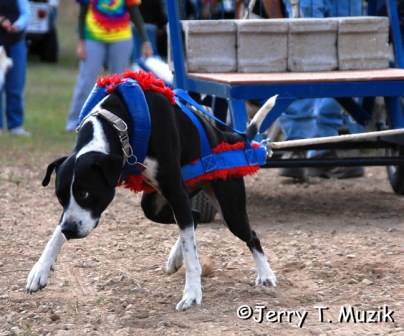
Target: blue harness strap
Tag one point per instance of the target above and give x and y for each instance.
(183, 95)
(210, 162)
(205, 145)
(225, 161)
(96, 95)
(136, 104)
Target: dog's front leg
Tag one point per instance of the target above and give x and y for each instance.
(193, 289)
(173, 190)
(38, 277)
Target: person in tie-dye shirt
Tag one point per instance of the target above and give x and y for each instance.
(105, 39)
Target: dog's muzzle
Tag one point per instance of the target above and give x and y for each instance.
(73, 229)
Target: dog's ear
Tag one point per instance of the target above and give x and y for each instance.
(51, 167)
(110, 166)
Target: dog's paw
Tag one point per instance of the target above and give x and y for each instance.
(266, 280)
(38, 277)
(174, 263)
(190, 297)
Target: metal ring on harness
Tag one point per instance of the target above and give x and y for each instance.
(132, 160)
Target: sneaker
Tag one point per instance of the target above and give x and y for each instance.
(296, 173)
(335, 172)
(347, 172)
(19, 131)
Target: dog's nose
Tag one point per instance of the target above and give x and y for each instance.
(70, 230)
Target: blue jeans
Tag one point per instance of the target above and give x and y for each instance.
(115, 56)
(13, 89)
(330, 8)
(308, 118)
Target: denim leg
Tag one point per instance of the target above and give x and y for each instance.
(352, 126)
(118, 55)
(1, 106)
(288, 8)
(298, 121)
(345, 7)
(312, 8)
(317, 117)
(328, 115)
(14, 84)
(330, 8)
(89, 69)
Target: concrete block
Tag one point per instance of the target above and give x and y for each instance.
(262, 45)
(312, 44)
(210, 45)
(363, 43)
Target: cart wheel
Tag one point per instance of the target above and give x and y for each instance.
(395, 174)
(201, 203)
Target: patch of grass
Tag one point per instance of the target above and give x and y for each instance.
(48, 95)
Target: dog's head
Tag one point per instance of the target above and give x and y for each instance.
(86, 179)
(85, 186)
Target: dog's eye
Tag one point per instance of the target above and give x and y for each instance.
(84, 195)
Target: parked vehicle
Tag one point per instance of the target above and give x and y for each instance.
(42, 36)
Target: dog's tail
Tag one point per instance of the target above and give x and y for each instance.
(255, 124)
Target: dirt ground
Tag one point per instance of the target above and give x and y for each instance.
(331, 242)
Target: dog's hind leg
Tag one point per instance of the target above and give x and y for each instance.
(38, 277)
(229, 195)
(157, 209)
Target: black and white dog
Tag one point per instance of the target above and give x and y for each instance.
(86, 181)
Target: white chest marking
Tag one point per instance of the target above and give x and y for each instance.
(98, 143)
(150, 172)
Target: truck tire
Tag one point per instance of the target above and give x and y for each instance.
(395, 176)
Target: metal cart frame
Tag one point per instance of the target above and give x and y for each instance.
(341, 85)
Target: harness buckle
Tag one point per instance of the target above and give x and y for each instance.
(123, 137)
(120, 125)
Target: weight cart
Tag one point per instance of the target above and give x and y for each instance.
(237, 88)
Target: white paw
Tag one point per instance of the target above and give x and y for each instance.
(38, 277)
(269, 279)
(174, 263)
(191, 297)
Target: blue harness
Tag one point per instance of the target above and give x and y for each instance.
(136, 104)
(139, 111)
(209, 161)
